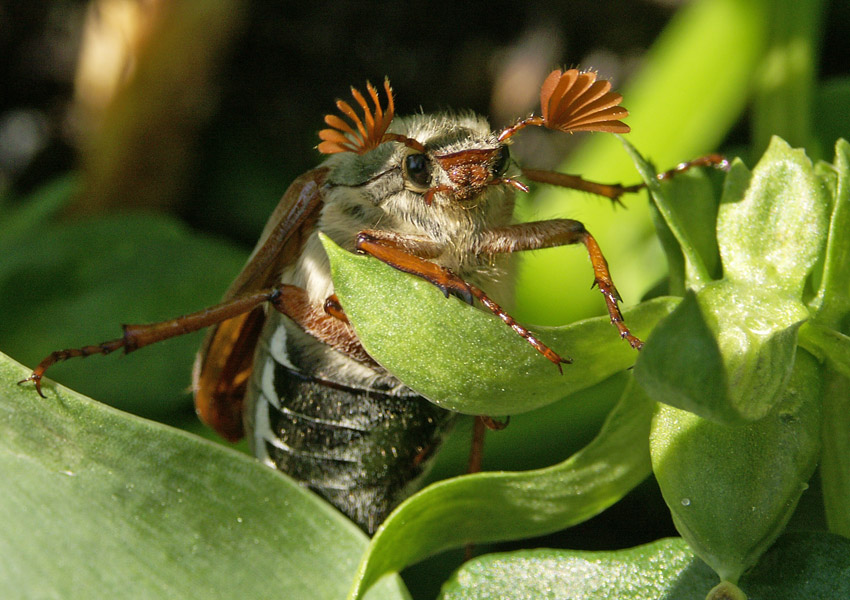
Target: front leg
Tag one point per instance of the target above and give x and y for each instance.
(398, 252)
(560, 232)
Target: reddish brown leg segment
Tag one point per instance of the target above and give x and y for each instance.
(476, 449)
(137, 336)
(448, 283)
(560, 232)
(326, 323)
(479, 430)
(287, 299)
(613, 191)
(334, 308)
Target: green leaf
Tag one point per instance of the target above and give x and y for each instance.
(735, 379)
(833, 299)
(827, 344)
(22, 225)
(662, 570)
(465, 359)
(774, 234)
(100, 504)
(681, 365)
(731, 490)
(66, 284)
(771, 229)
(685, 226)
(784, 86)
(692, 199)
(503, 505)
(800, 566)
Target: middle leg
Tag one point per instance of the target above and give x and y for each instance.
(560, 232)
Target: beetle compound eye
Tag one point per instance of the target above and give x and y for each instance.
(502, 161)
(417, 172)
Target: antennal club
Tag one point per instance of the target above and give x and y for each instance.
(342, 137)
(576, 101)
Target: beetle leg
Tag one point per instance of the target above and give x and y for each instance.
(137, 336)
(560, 232)
(288, 299)
(449, 283)
(327, 323)
(479, 429)
(334, 308)
(418, 246)
(476, 448)
(613, 191)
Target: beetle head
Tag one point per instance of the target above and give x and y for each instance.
(570, 101)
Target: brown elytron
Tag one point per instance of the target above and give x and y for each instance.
(431, 195)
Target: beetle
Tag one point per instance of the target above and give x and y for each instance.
(431, 195)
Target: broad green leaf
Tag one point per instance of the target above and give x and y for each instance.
(732, 489)
(771, 229)
(756, 333)
(100, 504)
(662, 570)
(511, 505)
(66, 284)
(800, 566)
(723, 353)
(465, 359)
(681, 365)
(771, 238)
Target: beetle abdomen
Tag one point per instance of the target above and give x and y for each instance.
(360, 449)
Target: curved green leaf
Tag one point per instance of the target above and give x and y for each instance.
(465, 359)
(727, 353)
(731, 490)
(833, 298)
(800, 566)
(695, 238)
(772, 236)
(692, 198)
(503, 505)
(100, 504)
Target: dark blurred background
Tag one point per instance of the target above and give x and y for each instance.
(232, 92)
